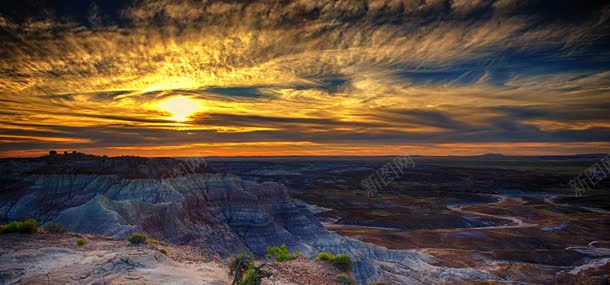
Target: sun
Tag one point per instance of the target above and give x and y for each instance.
(180, 107)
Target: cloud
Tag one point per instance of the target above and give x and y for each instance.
(350, 74)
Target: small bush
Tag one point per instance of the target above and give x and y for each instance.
(29, 226)
(53, 228)
(281, 253)
(11, 227)
(243, 271)
(137, 239)
(345, 279)
(251, 277)
(326, 256)
(241, 261)
(343, 263)
(81, 241)
(163, 250)
(239, 265)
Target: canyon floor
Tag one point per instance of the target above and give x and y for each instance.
(515, 217)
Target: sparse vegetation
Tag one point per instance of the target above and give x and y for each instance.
(28, 226)
(81, 241)
(251, 277)
(254, 275)
(345, 279)
(137, 239)
(326, 256)
(281, 253)
(243, 271)
(163, 250)
(11, 227)
(239, 265)
(343, 263)
(340, 261)
(53, 228)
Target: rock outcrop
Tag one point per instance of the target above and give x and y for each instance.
(214, 210)
(54, 265)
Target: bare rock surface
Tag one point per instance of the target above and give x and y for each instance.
(58, 263)
(56, 259)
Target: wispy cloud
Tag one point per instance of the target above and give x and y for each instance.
(333, 75)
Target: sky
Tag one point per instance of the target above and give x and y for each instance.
(307, 77)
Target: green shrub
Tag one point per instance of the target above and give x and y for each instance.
(281, 253)
(239, 265)
(345, 279)
(81, 241)
(343, 262)
(244, 272)
(53, 228)
(244, 259)
(29, 226)
(326, 256)
(251, 277)
(11, 227)
(137, 239)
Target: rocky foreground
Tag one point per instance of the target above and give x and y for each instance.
(56, 259)
(215, 211)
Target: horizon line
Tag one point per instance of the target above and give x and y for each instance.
(491, 155)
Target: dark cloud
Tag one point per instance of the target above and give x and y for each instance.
(251, 92)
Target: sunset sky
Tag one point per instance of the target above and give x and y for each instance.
(183, 78)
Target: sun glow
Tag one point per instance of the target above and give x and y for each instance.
(180, 107)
